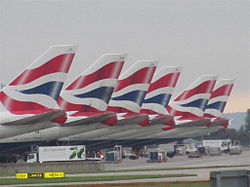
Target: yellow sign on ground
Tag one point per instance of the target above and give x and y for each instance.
(35, 175)
(53, 175)
(40, 175)
(21, 175)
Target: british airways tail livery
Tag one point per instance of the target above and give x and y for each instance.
(83, 120)
(188, 108)
(154, 104)
(217, 103)
(160, 90)
(159, 94)
(215, 108)
(132, 87)
(192, 101)
(37, 88)
(219, 97)
(30, 99)
(130, 91)
(87, 97)
(92, 90)
(85, 100)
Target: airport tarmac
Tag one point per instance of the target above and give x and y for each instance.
(176, 162)
(184, 161)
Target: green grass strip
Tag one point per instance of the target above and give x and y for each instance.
(9, 181)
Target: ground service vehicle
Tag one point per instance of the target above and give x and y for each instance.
(223, 144)
(58, 153)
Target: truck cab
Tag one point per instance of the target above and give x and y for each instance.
(32, 158)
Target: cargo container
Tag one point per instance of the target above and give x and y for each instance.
(112, 157)
(158, 156)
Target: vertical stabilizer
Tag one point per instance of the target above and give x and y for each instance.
(132, 87)
(161, 90)
(219, 98)
(92, 90)
(37, 88)
(192, 101)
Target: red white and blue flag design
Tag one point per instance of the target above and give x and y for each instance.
(92, 90)
(219, 98)
(191, 103)
(132, 87)
(36, 90)
(160, 90)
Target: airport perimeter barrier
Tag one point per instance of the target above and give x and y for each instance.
(230, 178)
(67, 167)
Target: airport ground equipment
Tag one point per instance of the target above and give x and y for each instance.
(235, 150)
(112, 157)
(58, 153)
(157, 156)
(223, 144)
(214, 151)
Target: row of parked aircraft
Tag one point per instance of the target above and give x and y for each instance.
(101, 106)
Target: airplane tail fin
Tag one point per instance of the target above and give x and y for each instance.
(218, 98)
(92, 90)
(192, 101)
(132, 87)
(161, 90)
(37, 88)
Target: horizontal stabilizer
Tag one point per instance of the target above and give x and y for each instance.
(39, 118)
(195, 123)
(132, 119)
(86, 118)
(220, 122)
(160, 119)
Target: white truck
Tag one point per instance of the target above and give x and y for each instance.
(58, 153)
(223, 144)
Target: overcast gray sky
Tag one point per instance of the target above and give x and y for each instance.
(205, 37)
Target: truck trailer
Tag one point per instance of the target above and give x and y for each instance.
(58, 153)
